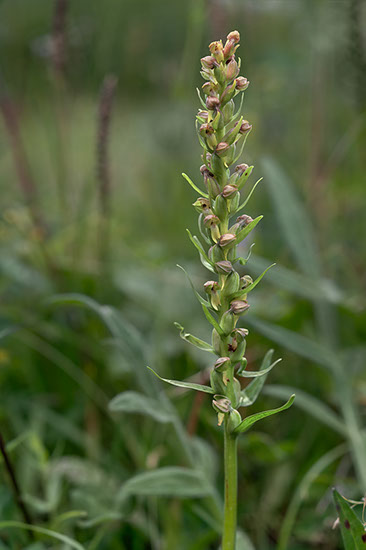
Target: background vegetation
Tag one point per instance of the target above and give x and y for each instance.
(64, 230)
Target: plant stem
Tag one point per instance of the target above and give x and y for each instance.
(231, 489)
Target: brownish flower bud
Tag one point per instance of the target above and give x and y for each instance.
(240, 334)
(211, 220)
(206, 129)
(212, 103)
(241, 83)
(238, 307)
(208, 88)
(208, 62)
(202, 205)
(229, 191)
(221, 404)
(224, 267)
(245, 127)
(244, 220)
(211, 287)
(222, 148)
(217, 50)
(232, 70)
(222, 364)
(234, 36)
(241, 168)
(226, 240)
(202, 116)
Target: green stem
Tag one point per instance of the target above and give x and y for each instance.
(231, 490)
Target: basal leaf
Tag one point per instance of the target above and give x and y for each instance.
(188, 385)
(170, 481)
(250, 420)
(134, 402)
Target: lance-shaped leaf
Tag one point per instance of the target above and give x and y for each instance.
(352, 529)
(202, 143)
(134, 402)
(244, 203)
(197, 342)
(201, 300)
(246, 230)
(241, 148)
(194, 186)
(202, 229)
(249, 395)
(71, 543)
(238, 112)
(203, 256)
(250, 420)
(254, 283)
(258, 373)
(187, 385)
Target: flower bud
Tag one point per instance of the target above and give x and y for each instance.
(202, 116)
(222, 364)
(234, 36)
(237, 349)
(208, 88)
(245, 127)
(202, 205)
(222, 148)
(229, 191)
(208, 62)
(232, 70)
(226, 240)
(241, 83)
(238, 307)
(211, 222)
(224, 267)
(240, 334)
(206, 130)
(217, 50)
(221, 403)
(212, 103)
(241, 168)
(211, 287)
(241, 222)
(245, 281)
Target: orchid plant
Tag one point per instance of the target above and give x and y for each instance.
(222, 133)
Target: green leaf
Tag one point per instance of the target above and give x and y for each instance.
(303, 346)
(246, 230)
(188, 385)
(201, 300)
(250, 420)
(309, 404)
(197, 342)
(352, 529)
(204, 258)
(249, 395)
(194, 186)
(254, 283)
(41, 530)
(258, 373)
(244, 203)
(133, 402)
(293, 219)
(170, 481)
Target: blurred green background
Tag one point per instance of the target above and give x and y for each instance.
(62, 231)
